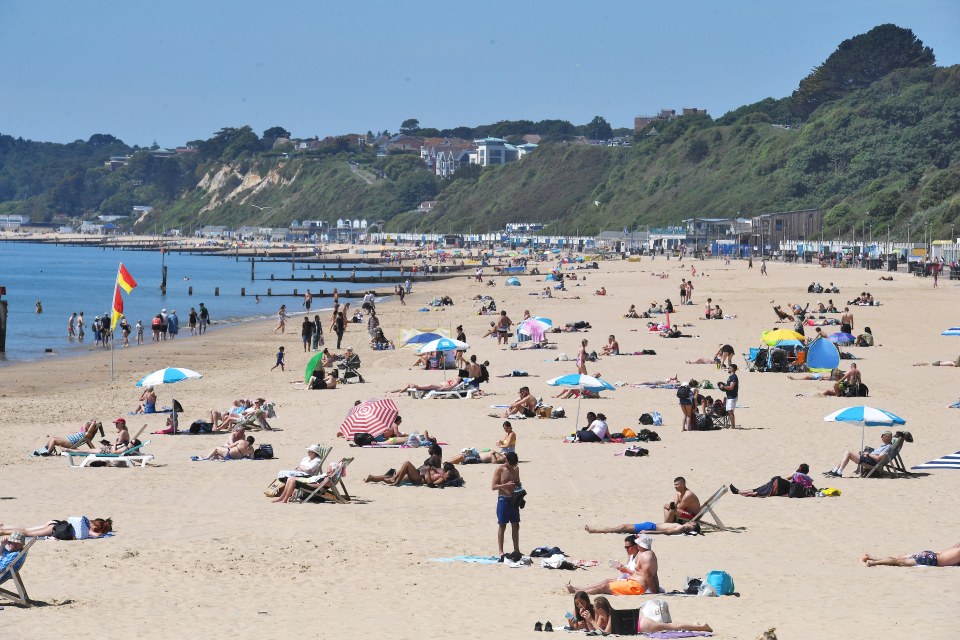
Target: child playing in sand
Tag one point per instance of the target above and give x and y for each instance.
(279, 361)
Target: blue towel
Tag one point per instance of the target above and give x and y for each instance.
(468, 559)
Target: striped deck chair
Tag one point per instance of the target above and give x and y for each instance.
(890, 462)
(12, 573)
(707, 507)
(327, 487)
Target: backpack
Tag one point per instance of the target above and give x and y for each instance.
(683, 392)
(721, 581)
(636, 451)
(646, 418)
(263, 452)
(704, 422)
(363, 439)
(63, 530)
(484, 375)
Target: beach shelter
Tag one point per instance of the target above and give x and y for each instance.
(949, 461)
(513, 281)
(374, 416)
(775, 336)
(583, 383)
(822, 355)
(866, 417)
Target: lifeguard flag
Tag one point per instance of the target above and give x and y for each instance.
(117, 306)
(125, 281)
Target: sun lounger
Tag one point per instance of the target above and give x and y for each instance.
(707, 507)
(327, 487)
(463, 392)
(12, 574)
(131, 457)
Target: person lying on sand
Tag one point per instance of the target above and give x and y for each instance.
(599, 617)
(446, 386)
(946, 558)
(419, 476)
(236, 451)
(778, 486)
(664, 528)
(81, 528)
(940, 363)
(657, 383)
(835, 374)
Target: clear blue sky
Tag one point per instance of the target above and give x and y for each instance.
(179, 70)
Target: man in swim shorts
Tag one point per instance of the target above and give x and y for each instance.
(506, 481)
(637, 577)
(665, 528)
(947, 558)
(685, 507)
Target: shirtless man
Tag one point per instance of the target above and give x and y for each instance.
(686, 506)
(637, 577)
(849, 379)
(506, 480)
(846, 321)
(612, 348)
(503, 328)
(523, 405)
(665, 528)
(948, 558)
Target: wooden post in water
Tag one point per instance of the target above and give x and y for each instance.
(163, 271)
(3, 321)
(251, 268)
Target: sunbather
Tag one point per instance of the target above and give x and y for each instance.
(505, 445)
(233, 418)
(73, 440)
(637, 576)
(423, 475)
(778, 486)
(81, 528)
(148, 401)
(835, 374)
(632, 312)
(11, 547)
(236, 451)
(946, 558)
(665, 528)
(602, 620)
(309, 465)
(290, 485)
(449, 385)
(612, 348)
(869, 458)
(216, 416)
(658, 383)
(782, 316)
(940, 363)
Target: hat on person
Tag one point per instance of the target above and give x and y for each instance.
(120, 421)
(16, 537)
(163, 310)
(317, 449)
(645, 541)
(887, 433)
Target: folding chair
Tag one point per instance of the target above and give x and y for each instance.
(890, 462)
(326, 486)
(624, 622)
(707, 507)
(12, 573)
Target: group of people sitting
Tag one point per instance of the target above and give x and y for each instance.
(243, 411)
(816, 287)
(865, 299)
(238, 446)
(432, 473)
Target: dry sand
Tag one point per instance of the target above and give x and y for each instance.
(199, 547)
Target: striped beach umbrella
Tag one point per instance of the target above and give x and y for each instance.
(443, 344)
(866, 417)
(373, 416)
(167, 376)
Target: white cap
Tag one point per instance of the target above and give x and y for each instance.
(645, 541)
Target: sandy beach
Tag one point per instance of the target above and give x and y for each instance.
(198, 547)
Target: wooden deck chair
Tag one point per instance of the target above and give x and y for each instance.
(131, 457)
(255, 420)
(12, 573)
(890, 462)
(707, 507)
(327, 486)
(625, 622)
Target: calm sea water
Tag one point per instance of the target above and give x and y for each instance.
(67, 279)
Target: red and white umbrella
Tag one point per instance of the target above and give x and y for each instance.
(373, 417)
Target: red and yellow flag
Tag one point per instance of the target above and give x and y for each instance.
(125, 281)
(117, 306)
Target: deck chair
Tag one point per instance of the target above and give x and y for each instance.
(707, 507)
(351, 369)
(12, 573)
(130, 457)
(255, 420)
(624, 622)
(890, 462)
(326, 487)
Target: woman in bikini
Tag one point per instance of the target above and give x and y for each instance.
(73, 440)
(82, 526)
(235, 451)
(582, 358)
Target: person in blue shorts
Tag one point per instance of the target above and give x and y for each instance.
(506, 482)
(665, 528)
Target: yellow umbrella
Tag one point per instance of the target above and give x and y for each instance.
(775, 336)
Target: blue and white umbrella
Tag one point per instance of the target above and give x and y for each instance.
(168, 376)
(582, 382)
(841, 338)
(422, 338)
(444, 344)
(865, 417)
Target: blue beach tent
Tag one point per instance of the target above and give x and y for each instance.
(822, 356)
(513, 282)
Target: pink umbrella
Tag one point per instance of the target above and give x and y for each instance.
(533, 327)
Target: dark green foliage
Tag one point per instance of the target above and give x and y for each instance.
(859, 62)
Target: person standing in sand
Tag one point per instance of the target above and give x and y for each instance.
(582, 358)
(506, 481)
(685, 507)
(503, 328)
(846, 321)
(732, 389)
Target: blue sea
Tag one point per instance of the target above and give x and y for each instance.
(67, 279)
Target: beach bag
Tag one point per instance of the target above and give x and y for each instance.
(656, 610)
(558, 413)
(199, 426)
(263, 452)
(363, 439)
(544, 411)
(797, 490)
(704, 422)
(274, 489)
(830, 492)
(63, 530)
(646, 418)
(657, 419)
(635, 451)
(721, 581)
(683, 392)
(629, 433)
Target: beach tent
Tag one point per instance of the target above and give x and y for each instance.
(822, 355)
(513, 282)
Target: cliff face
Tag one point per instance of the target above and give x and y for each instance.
(229, 183)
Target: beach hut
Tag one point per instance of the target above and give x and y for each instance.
(822, 355)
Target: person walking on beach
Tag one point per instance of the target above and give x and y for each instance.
(408, 286)
(281, 319)
(204, 317)
(139, 331)
(306, 332)
(173, 324)
(582, 358)
(279, 363)
(763, 266)
(339, 326)
(317, 335)
(71, 323)
(503, 328)
(506, 482)
(192, 321)
(307, 300)
(401, 294)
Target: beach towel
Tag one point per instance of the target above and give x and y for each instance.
(677, 634)
(949, 461)
(469, 559)
(656, 386)
(164, 410)
(955, 405)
